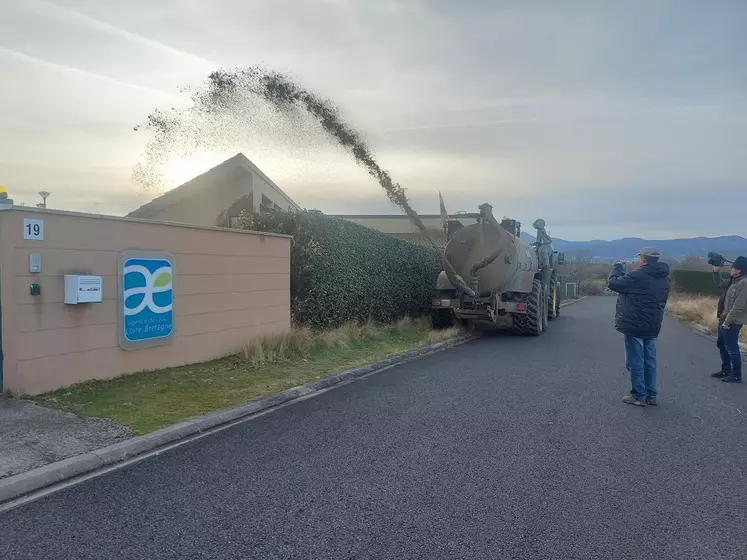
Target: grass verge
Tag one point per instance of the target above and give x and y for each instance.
(147, 401)
(698, 310)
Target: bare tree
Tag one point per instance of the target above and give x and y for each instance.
(577, 265)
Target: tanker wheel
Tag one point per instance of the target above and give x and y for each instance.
(531, 323)
(440, 319)
(553, 301)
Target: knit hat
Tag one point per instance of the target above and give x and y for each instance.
(740, 263)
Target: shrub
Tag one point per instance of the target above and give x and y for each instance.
(694, 282)
(342, 272)
(591, 289)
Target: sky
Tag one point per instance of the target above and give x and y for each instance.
(608, 119)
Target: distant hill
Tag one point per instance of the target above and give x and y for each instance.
(730, 246)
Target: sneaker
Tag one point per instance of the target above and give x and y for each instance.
(721, 374)
(630, 399)
(731, 379)
(652, 401)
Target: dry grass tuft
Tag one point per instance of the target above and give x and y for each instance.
(299, 343)
(346, 335)
(434, 336)
(699, 310)
(275, 347)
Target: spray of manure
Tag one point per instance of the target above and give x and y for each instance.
(224, 103)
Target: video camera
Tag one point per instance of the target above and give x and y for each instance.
(717, 260)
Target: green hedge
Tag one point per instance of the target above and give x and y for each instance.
(342, 272)
(694, 282)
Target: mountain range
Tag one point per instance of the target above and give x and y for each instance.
(730, 246)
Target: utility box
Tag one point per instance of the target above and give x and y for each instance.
(83, 289)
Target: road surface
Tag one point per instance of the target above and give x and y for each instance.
(503, 448)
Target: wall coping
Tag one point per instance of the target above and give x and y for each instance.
(48, 211)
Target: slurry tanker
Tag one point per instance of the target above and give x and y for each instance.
(491, 274)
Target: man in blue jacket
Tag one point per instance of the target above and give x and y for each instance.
(643, 295)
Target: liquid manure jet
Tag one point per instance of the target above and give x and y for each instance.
(521, 284)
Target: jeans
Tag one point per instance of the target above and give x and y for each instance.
(640, 361)
(728, 345)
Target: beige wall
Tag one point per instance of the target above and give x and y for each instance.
(229, 286)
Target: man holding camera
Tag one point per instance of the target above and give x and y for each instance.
(643, 295)
(732, 314)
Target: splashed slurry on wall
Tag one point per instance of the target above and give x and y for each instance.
(226, 101)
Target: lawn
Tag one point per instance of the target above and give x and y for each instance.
(147, 401)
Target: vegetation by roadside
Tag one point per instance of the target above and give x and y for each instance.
(698, 310)
(148, 401)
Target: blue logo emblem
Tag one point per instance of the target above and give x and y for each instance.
(148, 295)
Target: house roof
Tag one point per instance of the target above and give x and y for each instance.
(207, 180)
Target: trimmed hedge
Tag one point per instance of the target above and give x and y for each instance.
(694, 282)
(343, 272)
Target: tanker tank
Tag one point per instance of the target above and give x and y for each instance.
(491, 273)
(498, 259)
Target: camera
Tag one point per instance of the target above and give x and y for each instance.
(717, 260)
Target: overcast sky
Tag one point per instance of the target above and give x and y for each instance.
(608, 119)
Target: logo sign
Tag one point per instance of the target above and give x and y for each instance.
(146, 299)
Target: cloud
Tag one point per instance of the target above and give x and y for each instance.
(56, 67)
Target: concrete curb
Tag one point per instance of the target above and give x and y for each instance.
(19, 485)
(567, 303)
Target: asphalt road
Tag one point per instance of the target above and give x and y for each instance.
(502, 448)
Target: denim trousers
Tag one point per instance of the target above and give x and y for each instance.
(640, 361)
(728, 345)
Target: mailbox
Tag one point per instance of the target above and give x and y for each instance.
(83, 289)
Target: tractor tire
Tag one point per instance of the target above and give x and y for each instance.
(531, 323)
(553, 301)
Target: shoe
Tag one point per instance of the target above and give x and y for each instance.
(652, 401)
(630, 399)
(731, 379)
(721, 374)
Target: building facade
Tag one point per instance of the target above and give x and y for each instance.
(217, 197)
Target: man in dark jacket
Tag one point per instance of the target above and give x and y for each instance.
(643, 295)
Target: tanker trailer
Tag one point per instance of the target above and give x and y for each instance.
(490, 274)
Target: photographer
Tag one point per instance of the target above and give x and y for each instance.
(732, 314)
(642, 298)
(718, 262)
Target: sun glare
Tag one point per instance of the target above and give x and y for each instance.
(180, 170)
